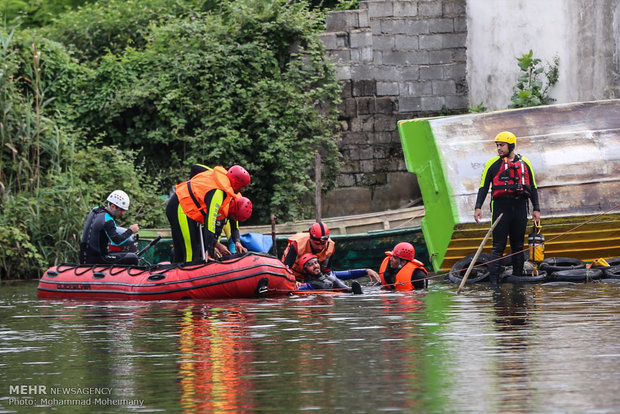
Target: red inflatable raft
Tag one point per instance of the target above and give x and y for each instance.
(245, 276)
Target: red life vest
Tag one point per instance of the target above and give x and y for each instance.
(403, 277)
(513, 179)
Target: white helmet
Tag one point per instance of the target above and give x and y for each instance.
(119, 198)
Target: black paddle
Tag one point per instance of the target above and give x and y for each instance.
(148, 246)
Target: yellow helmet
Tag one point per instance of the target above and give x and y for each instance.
(507, 137)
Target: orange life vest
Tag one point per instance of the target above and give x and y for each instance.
(403, 277)
(191, 194)
(513, 178)
(302, 240)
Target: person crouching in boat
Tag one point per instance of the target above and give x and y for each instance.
(208, 196)
(401, 271)
(100, 231)
(315, 241)
(316, 280)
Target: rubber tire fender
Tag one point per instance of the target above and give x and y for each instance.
(611, 272)
(510, 278)
(478, 274)
(556, 264)
(577, 275)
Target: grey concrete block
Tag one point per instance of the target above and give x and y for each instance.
(364, 21)
(366, 87)
(397, 57)
(409, 104)
(365, 105)
(441, 25)
(431, 72)
(382, 138)
(382, 42)
(359, 38)
(345, 91)
(367, 54)
(387, 88)
(348, 108)
(430, 9)
(457, 102)
(404, 26)
(345, 180)
(455, 71)
(405, 8)
(362, 72)
(362, 123)
(366, 152)
(440, 56)
(432, 103)
(385, 106)
(339, 55)
(342, 40)
(356, 56)
(329, 40)
(460, 24)
(418, 88)
(380, 9)
(343, 72)
(433, 41)
(455, 8)
(377, 57)
(406, 42)
(444, 87)
(454, 40)
(342, 20)
(385, 123)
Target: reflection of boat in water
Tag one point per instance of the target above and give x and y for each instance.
(361, 239)
(575, 151)
(244, 276)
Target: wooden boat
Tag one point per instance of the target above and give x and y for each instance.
(245, 276)
(361, 240)
(575, 151)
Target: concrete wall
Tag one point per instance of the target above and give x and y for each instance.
(398, 60)
(584, 34)
(409, 59)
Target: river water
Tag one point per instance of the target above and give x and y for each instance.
(512, 349)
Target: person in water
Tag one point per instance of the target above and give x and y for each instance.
(315, 241)
(513, 186)
(401, 271)
(315, 279)
(100, 232)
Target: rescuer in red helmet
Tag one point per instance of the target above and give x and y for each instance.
(401, 271)
(315, 241)
(210, 196)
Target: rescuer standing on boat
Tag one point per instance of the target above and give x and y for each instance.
(207, 197)
(512, 182)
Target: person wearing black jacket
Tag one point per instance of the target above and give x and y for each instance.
(513, 186)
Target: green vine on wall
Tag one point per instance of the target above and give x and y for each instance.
(530, 90)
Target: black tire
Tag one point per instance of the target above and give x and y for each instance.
(508, 277)
(557, 264)
(478, 273)
(614, 262)
(577, 275)
(612, 272)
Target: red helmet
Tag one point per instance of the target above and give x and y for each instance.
(404, 251)
(240, 209)
(305, 259)
(319, 232)
(238, 177)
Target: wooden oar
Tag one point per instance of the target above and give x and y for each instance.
(473, 261)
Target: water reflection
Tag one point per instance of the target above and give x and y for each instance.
(512, 349)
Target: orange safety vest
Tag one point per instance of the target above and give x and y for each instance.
(191, 194)
(303, 246)
(404, 275)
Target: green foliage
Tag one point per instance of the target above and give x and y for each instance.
(128, 94)
(247, 85)
(477, 109)
(530, 90)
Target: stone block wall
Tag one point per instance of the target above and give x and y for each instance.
(397, 60)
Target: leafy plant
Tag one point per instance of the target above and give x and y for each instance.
(477, 109)
(530, 90)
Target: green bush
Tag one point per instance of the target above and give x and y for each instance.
(530, 90)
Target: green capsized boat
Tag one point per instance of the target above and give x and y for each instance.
(574, 149)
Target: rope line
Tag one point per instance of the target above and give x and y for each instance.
(521, 251)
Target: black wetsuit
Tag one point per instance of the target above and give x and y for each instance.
(514, 222)
(99, 230)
